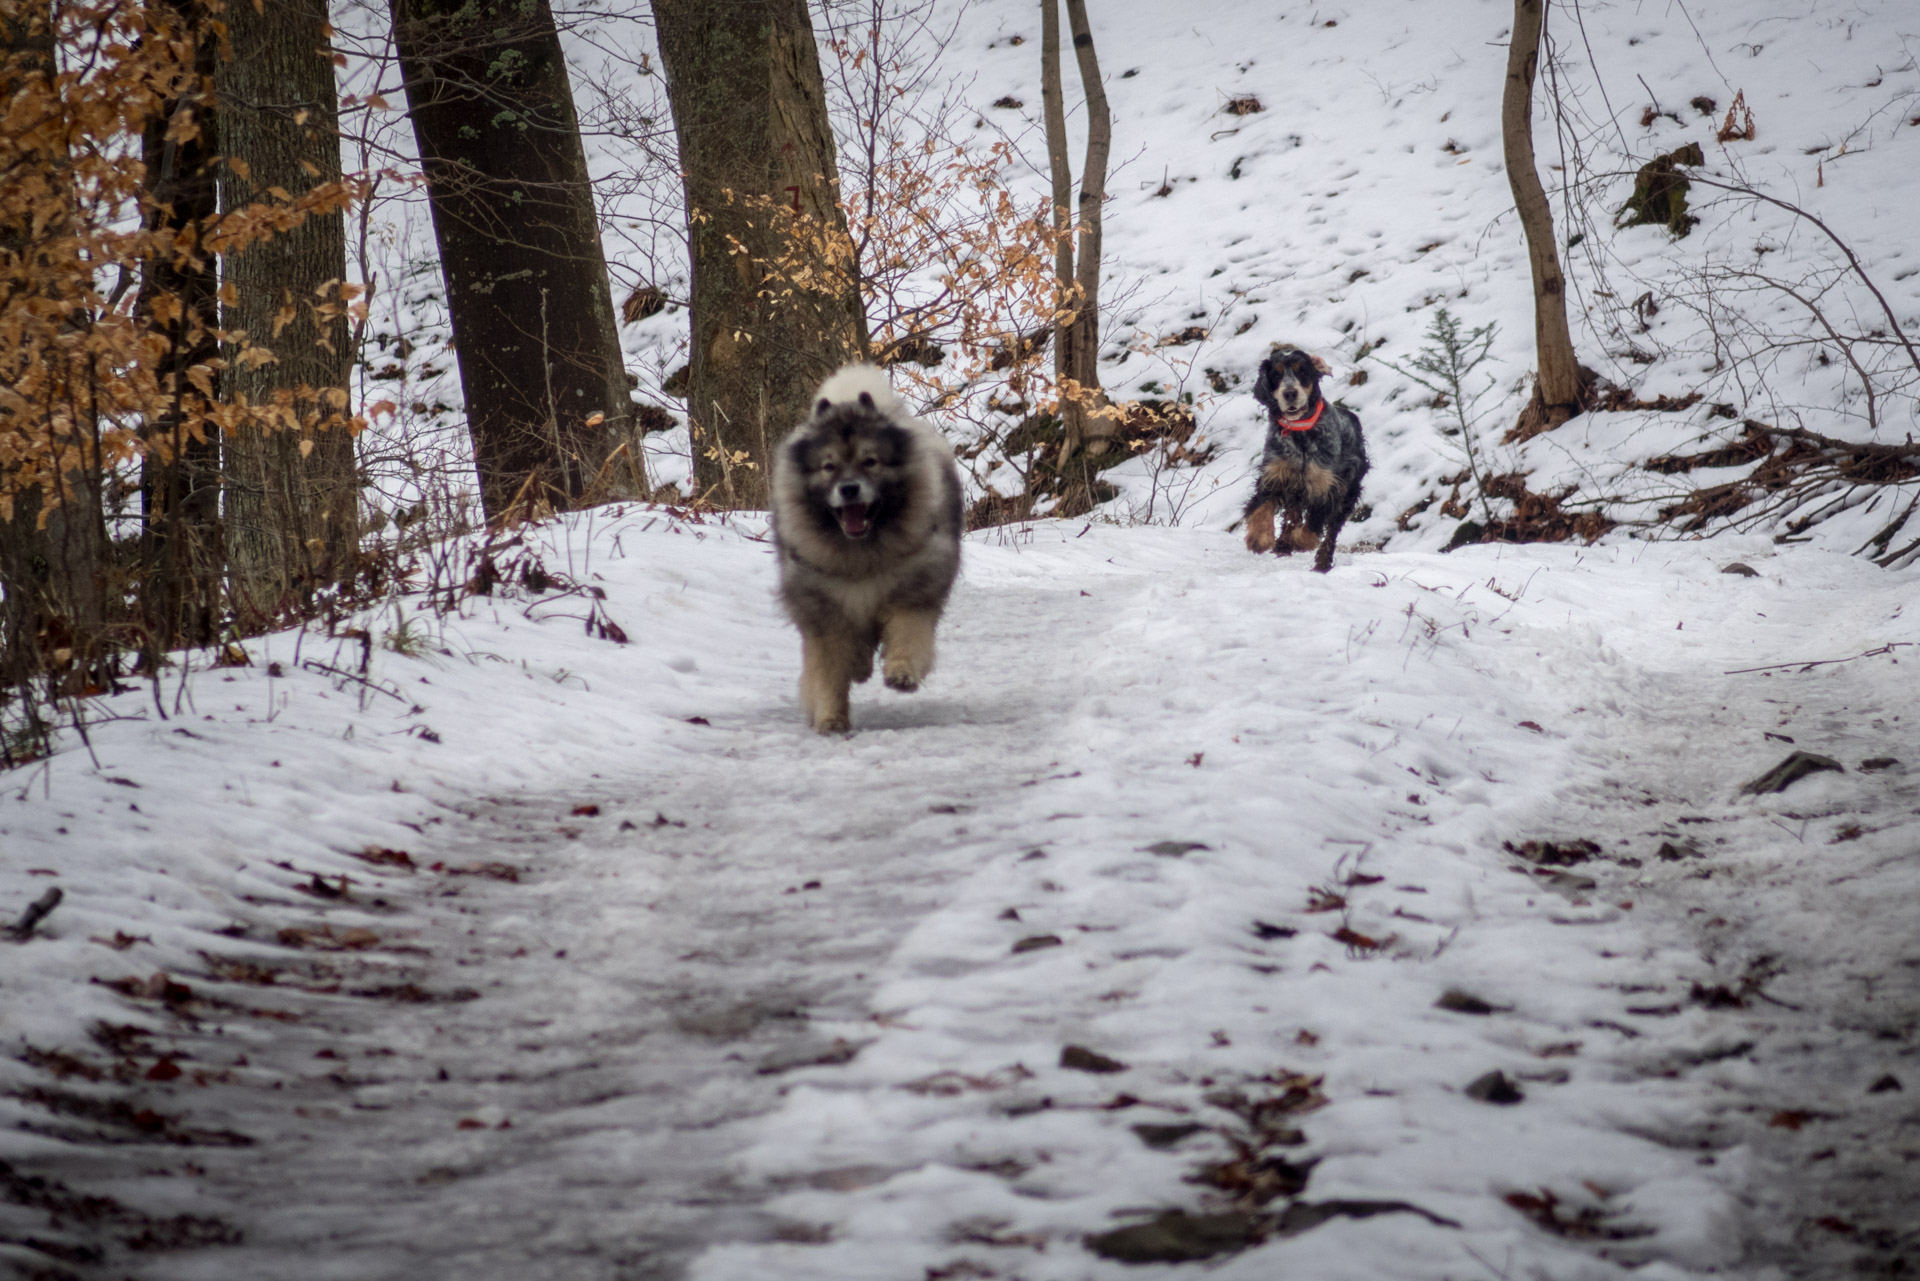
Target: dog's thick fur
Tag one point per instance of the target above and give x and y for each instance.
(867, 521)
(1311, 476)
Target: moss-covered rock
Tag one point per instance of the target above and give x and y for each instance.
(1660, 192)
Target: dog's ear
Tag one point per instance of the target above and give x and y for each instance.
(866, 400)
(1322, 365)
(1266, 380)
(822, 407)
(895, 442)
(800, 452)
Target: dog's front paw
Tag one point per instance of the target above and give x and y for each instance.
(1260, 528)
(904, 675)
(831, 723)
(908, 645)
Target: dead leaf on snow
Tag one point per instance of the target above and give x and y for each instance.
(949, 1083)
(1080, 1059)
(1359, 942)
(1321, 899)
(494, 871)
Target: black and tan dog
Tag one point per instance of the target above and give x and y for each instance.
(1311, 468)
(867, 520)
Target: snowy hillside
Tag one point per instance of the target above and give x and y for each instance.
(1331, 176)
(1366, 191)
(1407, 921)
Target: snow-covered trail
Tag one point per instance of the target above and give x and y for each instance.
(641, 988)
(1215, 819)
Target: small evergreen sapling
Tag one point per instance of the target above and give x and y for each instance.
(1446, 365)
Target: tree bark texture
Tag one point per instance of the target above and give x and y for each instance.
(292, 495)
(1558, 392)
(58, 574)
(1093, 194)
(1054, 112)
(182, 557)
(533, 321)
(757, 157)
(1086, 433)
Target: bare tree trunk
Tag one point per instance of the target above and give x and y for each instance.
(757, 157)
(182, 558)
(1065, 292)
(1085, 432)
(292, 495)
(1099, 429)
(533, 320)
(57, 575)
(1558, 393)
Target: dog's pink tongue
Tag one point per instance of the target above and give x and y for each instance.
(853, 519)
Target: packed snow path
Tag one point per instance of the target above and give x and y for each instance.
(667, 986)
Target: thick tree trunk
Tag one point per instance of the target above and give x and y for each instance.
(182, 560)
(1558, 392)
(757, 156)
(292, 493)
(56, 607)
(533, 320)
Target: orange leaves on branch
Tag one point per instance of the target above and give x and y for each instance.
(954, 273)
(80, 347)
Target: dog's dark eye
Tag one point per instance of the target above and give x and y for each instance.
(868, 464)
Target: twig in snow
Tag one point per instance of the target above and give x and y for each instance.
(315, 665)
(21, 929)
(1822, 662)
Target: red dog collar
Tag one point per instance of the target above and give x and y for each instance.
(1302, 424)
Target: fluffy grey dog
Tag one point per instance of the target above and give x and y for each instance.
(867, 521)
(1311, 467)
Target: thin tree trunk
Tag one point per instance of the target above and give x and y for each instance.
(757, 158)
(1557, 391)
(507, 183)
(182, 558)
(1065, 292)
(292, 495)
(1098, 428)
(1085, 433)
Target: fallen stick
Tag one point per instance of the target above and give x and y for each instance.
(31, 918)
(1822, 662)
(315, 665)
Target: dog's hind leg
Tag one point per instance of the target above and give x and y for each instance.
(1260, 527)
(907, 637)
(1295, 535)
(825, 675)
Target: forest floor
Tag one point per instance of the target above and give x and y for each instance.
(1186, 911)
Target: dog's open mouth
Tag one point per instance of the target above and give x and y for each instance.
(853, 519)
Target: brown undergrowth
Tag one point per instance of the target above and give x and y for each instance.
(1789, 467)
